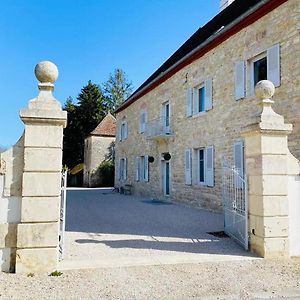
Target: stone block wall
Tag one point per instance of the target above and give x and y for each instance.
(220, 126)
(11, 169)
(96, 149)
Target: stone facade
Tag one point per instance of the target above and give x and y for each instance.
(96, 149)
(220, 126)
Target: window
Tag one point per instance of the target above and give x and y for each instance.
(165, 117)
(266, 65)
(199, 98)
(123, 132)
(142, 168)
(260, 70)
(123, 169)
(143, 120)
(203, 168)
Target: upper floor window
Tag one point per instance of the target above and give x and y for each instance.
(199, 98)
(143, 121)
(166, 117)
(123, 130)
(248, 73)
(259, 71)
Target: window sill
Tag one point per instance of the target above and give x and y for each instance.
(199, 114)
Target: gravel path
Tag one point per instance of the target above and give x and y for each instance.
(108, 229)
(233, 280)
(149, 251)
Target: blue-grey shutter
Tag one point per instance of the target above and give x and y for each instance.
(120, 169)
(126, 130)
(209, 166)
(189, 105)
(125, 169)
(137, 168)
(188, 166)
(240, 80)
(273, 61)
(208, 94)
(120, 132)
(146, 167)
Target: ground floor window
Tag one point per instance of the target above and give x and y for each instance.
(142, 168)
(123, 169)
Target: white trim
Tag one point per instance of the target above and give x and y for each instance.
(250, 88)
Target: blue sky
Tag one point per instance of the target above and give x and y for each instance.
(87, 39)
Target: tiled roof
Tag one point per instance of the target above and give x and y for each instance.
(107, 127)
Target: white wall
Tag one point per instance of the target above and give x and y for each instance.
(10, 212)
(294, 215)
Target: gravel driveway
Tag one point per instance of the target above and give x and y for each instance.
(135, 248)
(106, 229)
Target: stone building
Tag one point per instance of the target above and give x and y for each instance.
(96, 149)
(176, 129)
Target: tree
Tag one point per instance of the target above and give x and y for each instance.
(117, 89)
(83, 117)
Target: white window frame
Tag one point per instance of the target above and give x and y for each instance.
(196, 89)
(207, 85)
(250, 64)
(208, 181)
(204, 166)
(166, 127)
(244, 82)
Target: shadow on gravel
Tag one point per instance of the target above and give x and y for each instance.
(206, 246)
(89, 211)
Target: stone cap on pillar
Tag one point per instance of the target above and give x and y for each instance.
(45, 108)
(268, 120)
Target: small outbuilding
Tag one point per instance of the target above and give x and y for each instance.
(98, 146)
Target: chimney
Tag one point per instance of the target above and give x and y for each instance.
(225, 3)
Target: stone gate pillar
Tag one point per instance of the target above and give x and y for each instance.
(268, 162)
(38, 232)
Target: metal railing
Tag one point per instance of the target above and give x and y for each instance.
(158, 128)
(235, 203)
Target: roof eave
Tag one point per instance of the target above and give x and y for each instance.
(249, 17)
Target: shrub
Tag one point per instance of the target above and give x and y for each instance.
(106, 173)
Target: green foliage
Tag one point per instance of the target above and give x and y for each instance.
(111, 152)
(92, 105)
(106, 173)
(82, 119)
(117, 89)
(55, 273)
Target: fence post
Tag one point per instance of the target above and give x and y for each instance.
(38, 232)
(267, 159)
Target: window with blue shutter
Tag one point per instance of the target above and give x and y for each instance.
(240, 80)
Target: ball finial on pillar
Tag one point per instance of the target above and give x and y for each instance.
(46, 72)
(264, 89)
